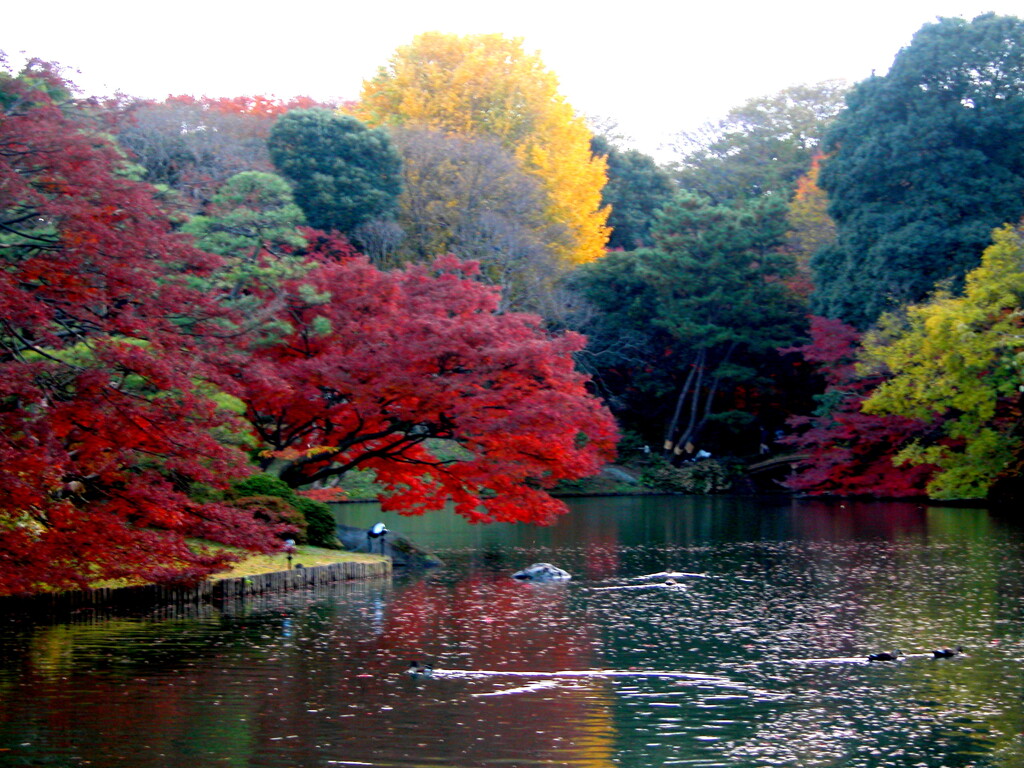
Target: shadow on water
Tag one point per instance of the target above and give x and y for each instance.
(710, 632)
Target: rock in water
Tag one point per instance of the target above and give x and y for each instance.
(541, 572)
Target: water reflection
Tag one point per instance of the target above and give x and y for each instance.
(717, 632)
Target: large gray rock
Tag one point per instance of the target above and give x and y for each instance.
(542, 572)
(404, 553)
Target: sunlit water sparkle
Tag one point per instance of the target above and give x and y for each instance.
(692, 634)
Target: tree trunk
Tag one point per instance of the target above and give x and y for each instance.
(696, 367)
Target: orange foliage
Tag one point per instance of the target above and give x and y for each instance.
(810, 226)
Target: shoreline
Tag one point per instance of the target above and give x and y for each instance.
(214, 592)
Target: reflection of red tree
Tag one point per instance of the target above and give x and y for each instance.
(603, 557)
(599, 534)
(850, 520)
(299, 691)
(285, 690)
(491, 621)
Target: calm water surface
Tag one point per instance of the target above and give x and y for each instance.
(755, 659)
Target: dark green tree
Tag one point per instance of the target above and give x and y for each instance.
(343, 173)
(685, 330)
(926, 162)
(762, 146)
(637, 187)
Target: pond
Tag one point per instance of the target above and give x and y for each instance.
(717, 631)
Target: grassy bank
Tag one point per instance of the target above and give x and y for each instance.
(307, 556)
(256, 564)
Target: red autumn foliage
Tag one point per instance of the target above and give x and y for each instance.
(112, 365)
(258, 106)
(396, 358)
(103, 355)
(847, 452)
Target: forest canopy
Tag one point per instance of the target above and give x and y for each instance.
(457, 290)
(144, 363)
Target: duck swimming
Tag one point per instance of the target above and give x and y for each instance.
(419, 671)
(947, 653)
(885, 656)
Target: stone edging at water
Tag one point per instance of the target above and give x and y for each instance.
(299, 578)
(131, 599)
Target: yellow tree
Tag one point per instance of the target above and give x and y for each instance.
(957, 362)
(488, 85)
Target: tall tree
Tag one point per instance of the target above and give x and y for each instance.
(926, 162)
(723, 298)
(344, 173)
(956, 363)
(810, 227)
(415, 374)
(693, 318)
(107, 411)
(487, 85)
(467, 195)
(762, 146)
(636, 188)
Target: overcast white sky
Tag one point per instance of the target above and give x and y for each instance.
(656, 67)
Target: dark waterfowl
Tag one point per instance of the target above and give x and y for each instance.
(947, 653)
(416, 670)
(885, 656)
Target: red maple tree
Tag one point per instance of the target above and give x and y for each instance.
(415, 374)
(847, 452)
(115, 374)
(106, 416)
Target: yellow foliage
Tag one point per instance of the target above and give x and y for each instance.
(487, 85)
(958, 361)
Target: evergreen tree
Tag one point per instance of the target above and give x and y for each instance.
(343, 172)
(636, 188)
(690, 323)
(927, 161)
(251, 223)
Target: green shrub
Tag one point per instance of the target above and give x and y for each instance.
(319, 527)
(264, 485)
(633, 450)
(698, 477)
(322, 529)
